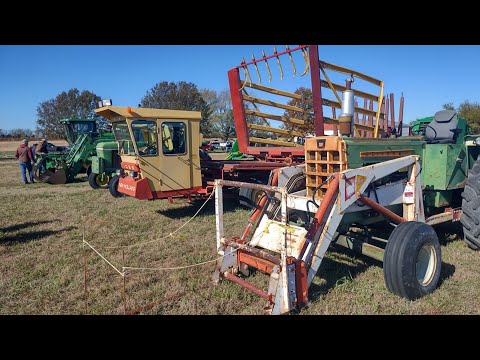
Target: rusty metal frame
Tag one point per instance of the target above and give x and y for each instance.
(292, 273)
(317, 68)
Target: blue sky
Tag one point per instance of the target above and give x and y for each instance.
(429, 76)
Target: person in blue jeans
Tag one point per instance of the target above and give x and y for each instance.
(25, 158)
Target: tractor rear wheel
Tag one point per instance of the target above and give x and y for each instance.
(250, 197)
(98, 180)
(470, 218)
(113, 186)
(412, 260)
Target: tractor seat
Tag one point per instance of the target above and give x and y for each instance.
(443, 129)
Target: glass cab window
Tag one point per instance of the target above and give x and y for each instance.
(145, 133)
(174, 138)
(76, 128)
(122, 135)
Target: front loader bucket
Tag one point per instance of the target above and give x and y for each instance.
(56, 178)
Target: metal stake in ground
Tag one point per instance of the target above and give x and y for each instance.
(85, 281)
(85, 270)
(124, 280)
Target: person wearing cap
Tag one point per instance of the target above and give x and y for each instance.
(25, 158)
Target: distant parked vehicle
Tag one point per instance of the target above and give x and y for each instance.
(226, 145)
(207, 147)
(215, 145)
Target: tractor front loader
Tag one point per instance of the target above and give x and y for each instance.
(362, 188)
(378, 197)
(85, 141)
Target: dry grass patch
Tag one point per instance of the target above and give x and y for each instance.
(41, 260)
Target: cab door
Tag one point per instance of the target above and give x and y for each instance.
(146, 139)
(175, 155)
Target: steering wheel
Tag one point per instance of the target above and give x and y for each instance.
(150, 149)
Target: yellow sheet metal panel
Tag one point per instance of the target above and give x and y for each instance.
(195, 156)
(175, 165)
(110, 112)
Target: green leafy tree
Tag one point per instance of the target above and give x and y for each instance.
(470, 111)
(67, 104)
(306, 104)
(178, 96)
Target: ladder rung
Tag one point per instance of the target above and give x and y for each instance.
(272, 103)
(271, 90)
(274, 130)
(275, 117)
(357, 93)
(273, 142)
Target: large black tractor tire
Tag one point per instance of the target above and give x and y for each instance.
(470, 218)
(113, 187)
(412, 260)
(96, 181)
(250, 197)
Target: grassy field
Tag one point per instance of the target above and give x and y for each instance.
(42, 259)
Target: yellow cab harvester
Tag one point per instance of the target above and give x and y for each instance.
(159, 150)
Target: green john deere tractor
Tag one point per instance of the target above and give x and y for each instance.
(90, 152)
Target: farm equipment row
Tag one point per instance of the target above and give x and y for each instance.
(89, 152)
(400, 186)
(364, 186)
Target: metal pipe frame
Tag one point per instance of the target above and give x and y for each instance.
(246, 285)
(345, 189)
(316, 89)
(361, 247)
(380, 209)
(263, 58)
(246, 185)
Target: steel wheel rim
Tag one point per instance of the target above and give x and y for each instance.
(256, 196)
(426, 264)
(98, 180)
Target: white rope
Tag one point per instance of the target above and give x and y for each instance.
(166, 236)
(186, 266)
(108, 262)
(175, 267)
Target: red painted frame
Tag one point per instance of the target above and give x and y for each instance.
(239, 110)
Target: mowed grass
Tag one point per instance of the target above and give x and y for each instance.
(42, 260)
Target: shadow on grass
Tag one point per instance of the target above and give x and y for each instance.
(24, 225)
(446, 272)
(336, 273)
(449, 232)
(79, 179)
(32, 236)
(189, 210)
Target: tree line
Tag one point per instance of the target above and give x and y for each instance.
(215, 107)
(18, 133)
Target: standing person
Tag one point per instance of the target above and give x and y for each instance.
(33, 149)
(42, 147)
(24, 156)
